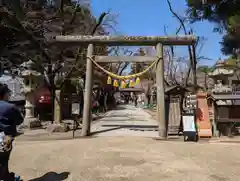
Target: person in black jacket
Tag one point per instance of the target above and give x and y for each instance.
(10, 117)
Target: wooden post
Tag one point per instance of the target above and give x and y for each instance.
(161, 118)
(215, 128)
(87, 109)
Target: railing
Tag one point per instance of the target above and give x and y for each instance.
(226, 89)
(222, 89)
(236, 90)
(228, 120)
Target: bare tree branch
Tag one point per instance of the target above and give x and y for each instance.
(190, 51)
(171, 55)
(68, 74)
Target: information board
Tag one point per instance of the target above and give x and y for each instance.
(75, 108)
(189, 124)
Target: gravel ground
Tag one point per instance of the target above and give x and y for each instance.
(123, 154)
(125, 159)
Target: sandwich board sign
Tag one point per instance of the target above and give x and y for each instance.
(189, 128)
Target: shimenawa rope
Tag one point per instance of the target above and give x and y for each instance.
(121, 77)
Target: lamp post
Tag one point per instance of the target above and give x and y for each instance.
(31, 80)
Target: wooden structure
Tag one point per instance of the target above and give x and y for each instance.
(224, 101)
(225, 113)
(174, 94)
(157, 41)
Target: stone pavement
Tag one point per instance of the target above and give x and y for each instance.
(125, 120)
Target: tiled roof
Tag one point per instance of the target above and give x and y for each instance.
(226, 97)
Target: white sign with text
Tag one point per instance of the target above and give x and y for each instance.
(189, 124)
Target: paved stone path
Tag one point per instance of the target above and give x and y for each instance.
(126, 120)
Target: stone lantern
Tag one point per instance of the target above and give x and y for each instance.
(220, 75)
(31, 79)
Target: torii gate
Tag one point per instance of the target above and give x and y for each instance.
(158, 41)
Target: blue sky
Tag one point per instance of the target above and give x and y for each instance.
(148, 17)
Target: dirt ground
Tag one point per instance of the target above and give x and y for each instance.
(125, 159)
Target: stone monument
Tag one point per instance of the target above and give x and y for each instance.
(31, 79)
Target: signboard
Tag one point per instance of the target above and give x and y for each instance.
(75, 108)
(189, 124)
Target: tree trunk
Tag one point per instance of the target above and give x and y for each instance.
(52, 90)
(53, 97)
(194, 68)
(146, 102)
(205, 82)
(57, 107)
(105, 101)
(187, 77)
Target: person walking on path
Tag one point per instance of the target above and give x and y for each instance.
(10, 117)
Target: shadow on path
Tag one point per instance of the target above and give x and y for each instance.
(120, 107)
(106, 130)
(130, 126)
(52, 176)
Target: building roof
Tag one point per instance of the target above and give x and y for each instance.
(225, 97)
(178, 87)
